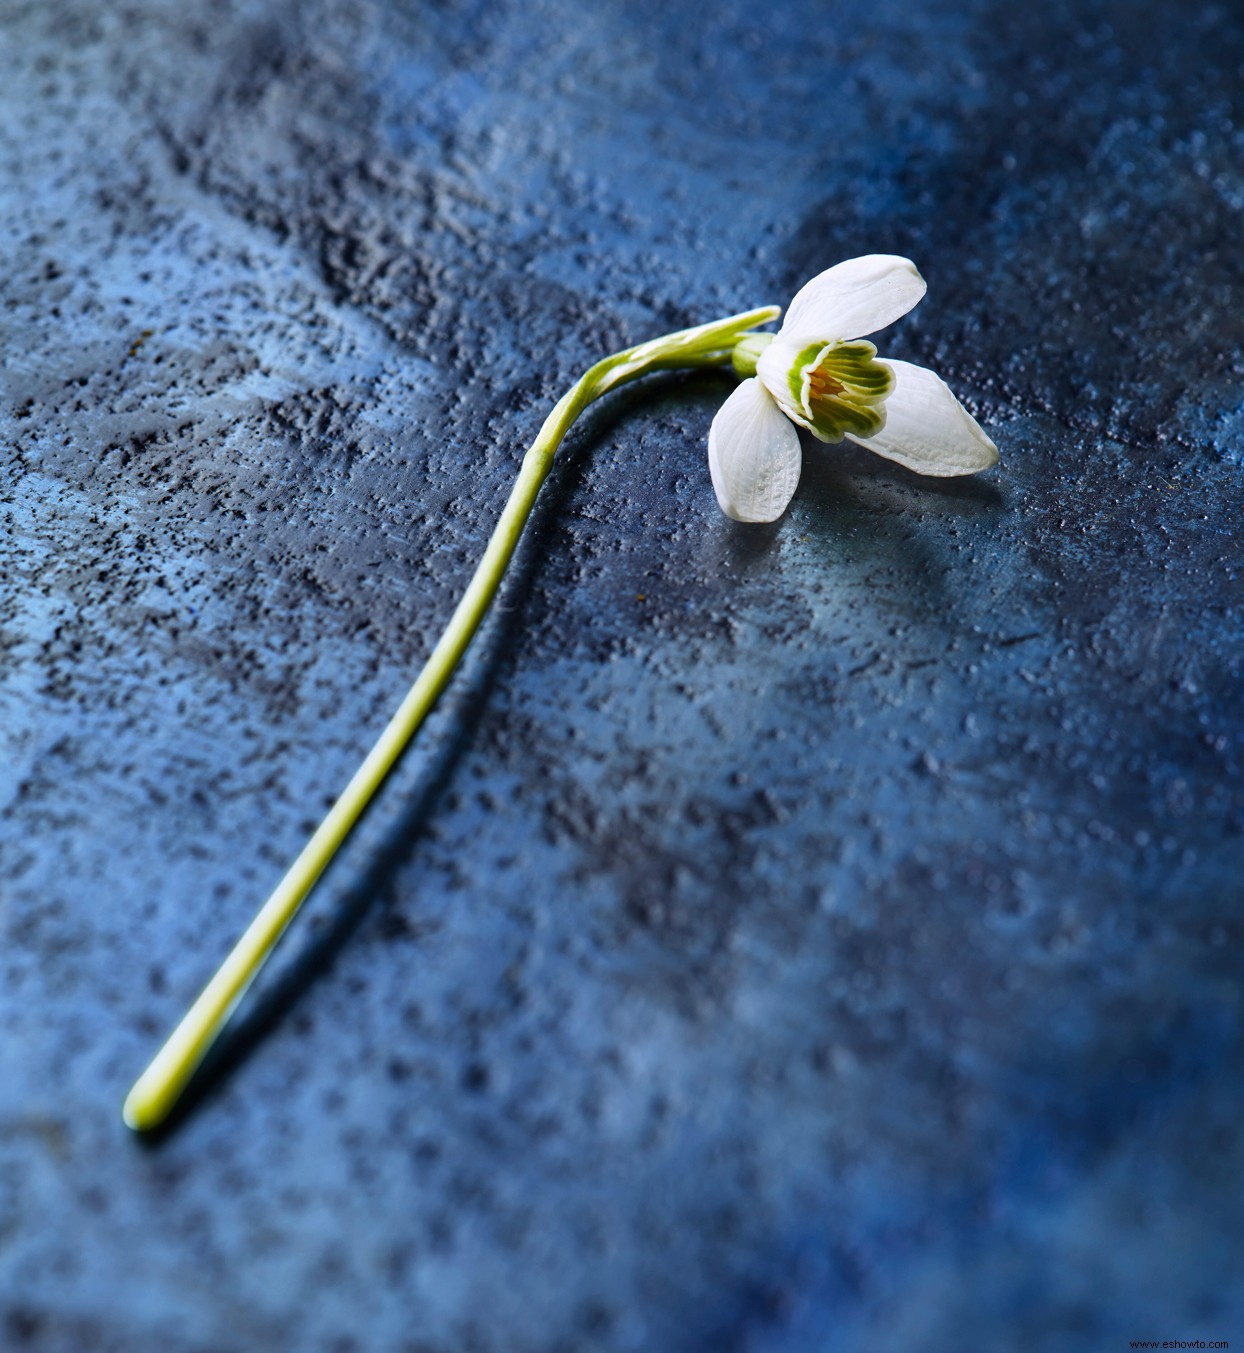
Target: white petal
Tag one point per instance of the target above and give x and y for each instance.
(855, 298)
(753, 455)
(927, 429)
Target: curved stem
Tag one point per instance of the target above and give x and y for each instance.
(161, 1085)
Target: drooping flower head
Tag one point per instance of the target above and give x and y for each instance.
(820, 373)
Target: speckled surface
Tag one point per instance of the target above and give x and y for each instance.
(824, 936)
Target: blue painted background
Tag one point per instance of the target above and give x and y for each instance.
(816, 937)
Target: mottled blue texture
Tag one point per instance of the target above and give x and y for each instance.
(823, 936)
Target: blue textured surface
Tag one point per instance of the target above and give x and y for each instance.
(823, 936)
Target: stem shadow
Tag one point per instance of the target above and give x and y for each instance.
(271, 1001)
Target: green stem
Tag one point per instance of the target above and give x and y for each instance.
(161, 1085)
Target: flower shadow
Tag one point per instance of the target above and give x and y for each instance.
(852, 506)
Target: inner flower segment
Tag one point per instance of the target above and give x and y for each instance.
(841, 388)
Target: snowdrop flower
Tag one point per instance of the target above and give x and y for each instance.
(819, 373)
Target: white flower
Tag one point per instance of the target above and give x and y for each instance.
(817, 372)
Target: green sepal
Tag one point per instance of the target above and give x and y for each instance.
(747, 352)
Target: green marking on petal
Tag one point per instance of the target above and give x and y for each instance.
(841, 388)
